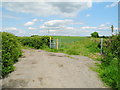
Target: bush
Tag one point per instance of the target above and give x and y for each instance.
(11, 51)
(95, 34)
(37, 42)
(109, 67)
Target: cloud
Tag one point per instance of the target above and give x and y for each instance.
(41, 20)
(6, 16)
(88, 27)
(31, 28)
(87, 15)
(30, 22)
(57, 27)
(66, 9)
(57, 24)
(100, 27)
(13, 30)
(34, 20)
(10, 28)
(112, 5)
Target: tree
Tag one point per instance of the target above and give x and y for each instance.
(112, 29)
(35, 36)
(94, 34)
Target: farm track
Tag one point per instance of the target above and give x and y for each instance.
(41, 69)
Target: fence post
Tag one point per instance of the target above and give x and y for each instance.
(59, 43)
(56, 43)
(101, 41)
(50, 42)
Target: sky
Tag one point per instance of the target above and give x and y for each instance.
(59, 18)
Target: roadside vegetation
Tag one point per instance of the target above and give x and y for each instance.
(110, 67)
(37, 42)
(11, 51)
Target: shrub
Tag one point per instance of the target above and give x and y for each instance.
(94, 34)
(37, 42)
(11, 51)
(109, 67)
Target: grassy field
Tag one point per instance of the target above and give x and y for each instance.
(78, 46)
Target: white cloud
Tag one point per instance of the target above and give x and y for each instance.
(67, 9)
(87, 15)
(57, 24)
(105, 26)
(112, 5)
(52, 30)
(88, 27)
(31, 28)
(57, 27)
(80, 23)
(5, 16)
(30, 22)
(13, 30)
(100, 27)
(34, 20)
(41, 20)
(10, 28)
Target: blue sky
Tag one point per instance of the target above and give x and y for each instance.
(60, 18)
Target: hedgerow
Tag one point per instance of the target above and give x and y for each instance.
(36, 42)
(110, 63)
(11, 51)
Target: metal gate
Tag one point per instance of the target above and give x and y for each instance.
(55, 43)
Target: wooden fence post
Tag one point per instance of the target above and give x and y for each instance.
(50, 42)
(56, 43)
(101, 40)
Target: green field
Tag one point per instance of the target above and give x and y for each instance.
(85, 46)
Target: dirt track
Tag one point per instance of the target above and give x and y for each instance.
(40, 69)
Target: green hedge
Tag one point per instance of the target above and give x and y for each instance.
(37, 42)
(11, 51)
(109, 67)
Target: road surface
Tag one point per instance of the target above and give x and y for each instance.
(41, 69)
